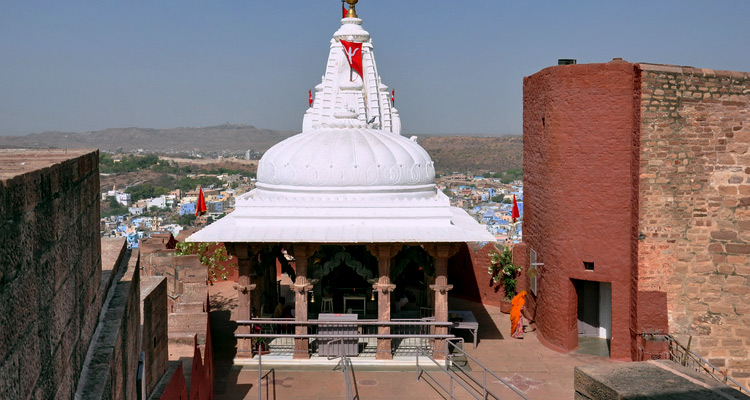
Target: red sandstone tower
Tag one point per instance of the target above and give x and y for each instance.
(637, 203)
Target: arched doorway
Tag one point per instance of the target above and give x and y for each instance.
(345, 276)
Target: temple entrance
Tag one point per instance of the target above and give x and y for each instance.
(347, 292)
(594, 316)
(344, 281)
(411, 295)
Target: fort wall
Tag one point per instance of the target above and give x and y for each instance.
(50, 269)
(695, 207)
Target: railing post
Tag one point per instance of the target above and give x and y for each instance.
(484, 383)
(260, 374)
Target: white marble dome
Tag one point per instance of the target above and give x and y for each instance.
(339, 158)
(349, 177)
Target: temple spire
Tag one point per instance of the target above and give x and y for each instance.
(351, 101)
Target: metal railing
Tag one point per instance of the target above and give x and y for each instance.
(453, 378)
(452, 350)
(347, 370)
(280, 333)
(684, 356)
(271, 372)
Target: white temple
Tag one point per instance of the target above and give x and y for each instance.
(344, 180)
(348, 179)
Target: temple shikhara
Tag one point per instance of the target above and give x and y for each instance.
(356, 205)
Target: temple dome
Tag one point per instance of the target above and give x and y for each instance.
(349, 177)
(355, 158)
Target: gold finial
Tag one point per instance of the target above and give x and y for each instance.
(352, 12)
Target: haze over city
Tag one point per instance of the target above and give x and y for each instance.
(457, 67)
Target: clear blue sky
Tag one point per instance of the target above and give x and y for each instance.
(457, 66)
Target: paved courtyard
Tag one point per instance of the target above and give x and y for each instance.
(537, 371)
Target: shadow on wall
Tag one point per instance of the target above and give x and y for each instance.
(225, 349)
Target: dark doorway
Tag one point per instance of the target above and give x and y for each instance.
(594, 316)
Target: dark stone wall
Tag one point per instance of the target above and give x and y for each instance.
(154, 330)
(50, 269)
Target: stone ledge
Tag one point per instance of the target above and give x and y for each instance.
(663, 380)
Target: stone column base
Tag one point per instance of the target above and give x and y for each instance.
(301, 349)
(384, 350)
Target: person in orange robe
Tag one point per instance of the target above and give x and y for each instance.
(516, 318)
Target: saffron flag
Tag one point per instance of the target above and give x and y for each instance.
(353, 53)
(200, 208)
(393, 97)
(309, 97)
(343, 10)
(515, 214)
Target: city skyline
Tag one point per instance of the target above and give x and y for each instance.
(456, 68)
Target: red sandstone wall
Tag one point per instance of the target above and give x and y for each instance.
(467, 272)
(50, 269)
(578, 194)
(176, 388)
(695, 207)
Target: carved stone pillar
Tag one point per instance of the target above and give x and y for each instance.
(247, 261)
(384, 287)
(301, 286)
(441, 253)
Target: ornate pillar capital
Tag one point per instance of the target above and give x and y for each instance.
(243, 250)
(302, 284)
(383, 285)
(384, 250)
(303, 250)
(244, 289)
(442, 250)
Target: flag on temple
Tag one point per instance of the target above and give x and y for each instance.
(353, 53)
(393, 97)
(200, 208)
(309, 97)
(515, 214)
(343, 10)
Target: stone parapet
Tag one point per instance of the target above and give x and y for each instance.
(648, 380)
(50, 269)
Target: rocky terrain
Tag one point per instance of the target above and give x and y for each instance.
(450, 153)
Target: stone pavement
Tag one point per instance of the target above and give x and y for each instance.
(537, 371)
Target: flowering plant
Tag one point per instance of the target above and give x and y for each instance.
(502, 269)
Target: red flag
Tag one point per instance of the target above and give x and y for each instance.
(515, 214)
(200, 208)
(393, 97)
(343, 10)
(309, 98)
(353, 53)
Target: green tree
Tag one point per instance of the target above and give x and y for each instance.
(213, 255)
(145, 191)
(114, 208)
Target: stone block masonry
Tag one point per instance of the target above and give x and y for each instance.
(50, 269)
(695, 206)
(154, 331)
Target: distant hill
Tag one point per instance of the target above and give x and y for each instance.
(173, 140)
(450, 153)
(475, 154)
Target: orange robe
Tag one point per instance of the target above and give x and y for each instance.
(515, 311)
